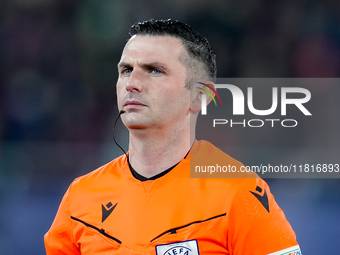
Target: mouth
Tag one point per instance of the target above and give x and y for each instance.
(133, 104)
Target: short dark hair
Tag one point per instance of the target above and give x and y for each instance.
(199, 50)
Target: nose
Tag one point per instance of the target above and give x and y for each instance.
(134, 82)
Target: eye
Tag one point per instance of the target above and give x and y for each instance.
(156, 71)
(126, 71)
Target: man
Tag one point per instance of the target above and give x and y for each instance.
(145, 202)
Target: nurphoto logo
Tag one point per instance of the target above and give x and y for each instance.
(239, 99)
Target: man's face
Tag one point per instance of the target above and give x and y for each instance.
(151, 84)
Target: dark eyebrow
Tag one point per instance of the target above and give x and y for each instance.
(123, 64)
(153, 65)
(148, 66)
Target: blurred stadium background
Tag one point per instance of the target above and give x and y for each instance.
(57, 99)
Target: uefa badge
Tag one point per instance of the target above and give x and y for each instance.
(179, 248)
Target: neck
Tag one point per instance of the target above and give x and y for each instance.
(152, 151)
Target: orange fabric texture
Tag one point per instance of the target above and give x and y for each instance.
(108, 211)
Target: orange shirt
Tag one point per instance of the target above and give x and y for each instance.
(108, 211)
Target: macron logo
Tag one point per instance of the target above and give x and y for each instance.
(263, 199)
(106, 212)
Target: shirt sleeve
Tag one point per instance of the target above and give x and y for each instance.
(256, 224)
(59, 239)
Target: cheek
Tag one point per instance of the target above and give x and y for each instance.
(119, 90)
(177, 101)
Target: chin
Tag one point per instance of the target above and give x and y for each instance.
(137, 121)
(134, 124)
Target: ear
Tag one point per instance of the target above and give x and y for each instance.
(197, 90)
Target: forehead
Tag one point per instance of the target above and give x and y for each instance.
(153, 48)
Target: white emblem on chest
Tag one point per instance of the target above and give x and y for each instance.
(179, 248)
